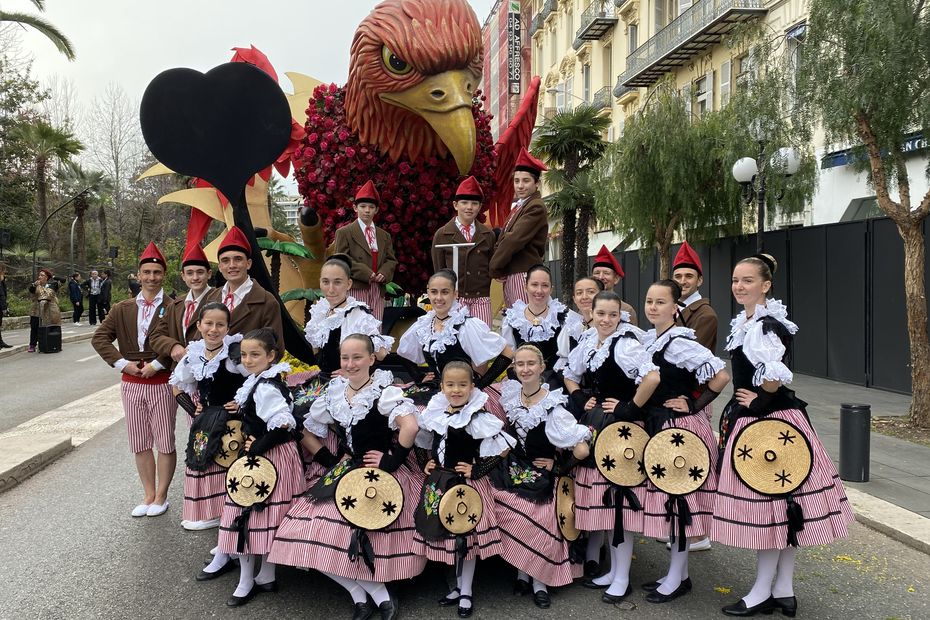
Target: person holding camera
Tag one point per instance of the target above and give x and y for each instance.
(44, 310)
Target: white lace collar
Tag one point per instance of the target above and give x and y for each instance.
(242, 394)
(740, 324)
(529, 417)
(596, 355)
(321, 323)
(349, 414)
(435, 416)
(436, 342)
(197, 359)
(654, 344)
(515, 317)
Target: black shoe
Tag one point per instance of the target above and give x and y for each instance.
(465, 612)
(271, 586)
(239, 601)
(4, 345)
(592, 568)
(657, 597)
(654, 585)
(591, 585)
(787, 604)
(205, 576)
(542, 600)
(616, 598)
(363, 611)
(739, 608)
(447, 601)
(521, 587)
(390, 610)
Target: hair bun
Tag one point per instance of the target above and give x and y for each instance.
(769, 261)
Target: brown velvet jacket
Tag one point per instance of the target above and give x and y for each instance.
(522, 242)
(474, 262)
(120, 325)
(351, 240)
(258, 309)
(170, 328)
(700, 317)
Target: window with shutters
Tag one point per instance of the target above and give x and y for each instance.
(632, 38)
(704, 94)
(586, 82)
(684, 5)
(744, 70)
(724, 83)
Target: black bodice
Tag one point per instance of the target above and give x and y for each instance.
(328, 356)
(251, 423)
(370, 433)
(437, 361)
(609, 381)
(675, 381)
(536, 445)
(221, 388)
(548, 347)
(460, 448)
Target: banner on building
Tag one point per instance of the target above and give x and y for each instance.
(514, 51)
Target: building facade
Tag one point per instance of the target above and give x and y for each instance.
(507, 70)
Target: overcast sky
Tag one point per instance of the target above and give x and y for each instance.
(129, 42)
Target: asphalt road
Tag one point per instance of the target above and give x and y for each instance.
(32, 383)
(71, 550)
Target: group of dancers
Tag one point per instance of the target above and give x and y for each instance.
(507, 413)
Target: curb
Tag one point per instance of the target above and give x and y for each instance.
(906, 527)
(19, 348)
(20, 460)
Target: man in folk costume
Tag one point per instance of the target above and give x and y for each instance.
(148, 404)
(370, 249)
(474, 275)
(608, 271)
(522, 241)
(696, 311)
(179, 325)
(250, 306)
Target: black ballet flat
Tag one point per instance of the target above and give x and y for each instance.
(449, 602)
(592, 568)
(787, 605)
(591, 585)
(739, 608)
(390, 609)
(271, 586)
(657, 597)
(205, 576)
(465, 612)
(239, 601)
(363, 611)
(542, 600)
(616, 598)
(521, 587)
(654, 585)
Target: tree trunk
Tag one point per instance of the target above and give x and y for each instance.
(663, 243)
(916, 303)
(581, 243)
(568, 253)
(79, 234)
(42, 199)
(104, 237)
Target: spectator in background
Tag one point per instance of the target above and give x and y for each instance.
(3, 305)
(44, 310)
(106, 290)
(93, 298)
(76, 295)
(134, 286)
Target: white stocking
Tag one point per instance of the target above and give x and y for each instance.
(607, 578)
(767, 565)
(595, 542)
(784, 577)
(622, 555)
(356, 591)
(466, 580)
(266, 574)
(523, 576)
(539, 586)
(246, 574)
(377, 591)
(672, 580)
(219, 561)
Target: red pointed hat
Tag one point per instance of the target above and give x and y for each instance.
(528, 163)
(235, 240)
(152, 255)
(469, 190)
(194, 256)
(604, 258)
(368, 193)
(687, 257)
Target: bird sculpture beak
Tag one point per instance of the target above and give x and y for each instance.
(444, 101)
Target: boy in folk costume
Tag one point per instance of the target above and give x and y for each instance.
(148, 403)
(371, 250)
(522, 241)
(696, 311)
(607, 269)
(179, 325)
(474, 276)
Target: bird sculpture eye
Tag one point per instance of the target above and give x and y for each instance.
(394, 63)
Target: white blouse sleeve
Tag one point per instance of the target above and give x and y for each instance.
(563, 431)
(563, 344)
(318, 418)
(183, 378)
(424, 439)
(575, 364)
(272, 407)
(409, 346)
(490, 430)
(633, 358)
(695, 357)
(765, 352)
(392, 403)
(360, 322)
(480, 343)
(507, 335)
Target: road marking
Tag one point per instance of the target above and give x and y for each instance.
(88, 358)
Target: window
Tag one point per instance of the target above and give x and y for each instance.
(560, 97)
(685, 94)
(633, 37)
(661, 15)
(684, 5)
(586, 82)
(607, 64)
(553, 46)
(569, 92)
(724, 83)
(795, 45)
(704, 94)
(744, 71)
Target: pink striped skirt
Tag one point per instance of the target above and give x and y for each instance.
(314, 471)
(314, 535)
(592, 514)
(530, 538)
(264, 524)
(204, 493)
(483, 542)
(700, 502)
(744, 518)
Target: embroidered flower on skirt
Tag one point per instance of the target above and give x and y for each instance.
(523, 475)
(431, 497)
(200, 443)
(334, 474)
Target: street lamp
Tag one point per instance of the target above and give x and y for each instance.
(751, 175)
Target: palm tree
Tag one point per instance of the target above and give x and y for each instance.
(52, 33)
(95, 186)
(570, 142)
(46, 143)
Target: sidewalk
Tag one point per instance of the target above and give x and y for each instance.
(19, 338)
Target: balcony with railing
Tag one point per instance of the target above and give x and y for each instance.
(601, 99)
(700, 27)
(536, 24)
(549, 7)
(596, 21)
(621, 91)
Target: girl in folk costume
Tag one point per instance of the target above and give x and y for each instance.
(684, 364)
(773, 525)
(609, 376)
(448, 332)
(265, 408)
(464, 442)
(210, 374)
(538, 321)
(474, 263)
(524, 496)
(376, 427)
(370, 250)
(576, 323)
(522, 241)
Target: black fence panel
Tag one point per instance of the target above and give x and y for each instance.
(846, 301)
(807, 278)
(720, 268)
(890, 352)
(631, 268)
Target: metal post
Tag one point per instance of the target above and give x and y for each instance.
(73, 223)
(455, 257)
(855, 432)
(760, 197)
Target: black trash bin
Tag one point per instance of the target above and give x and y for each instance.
(855, 431)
